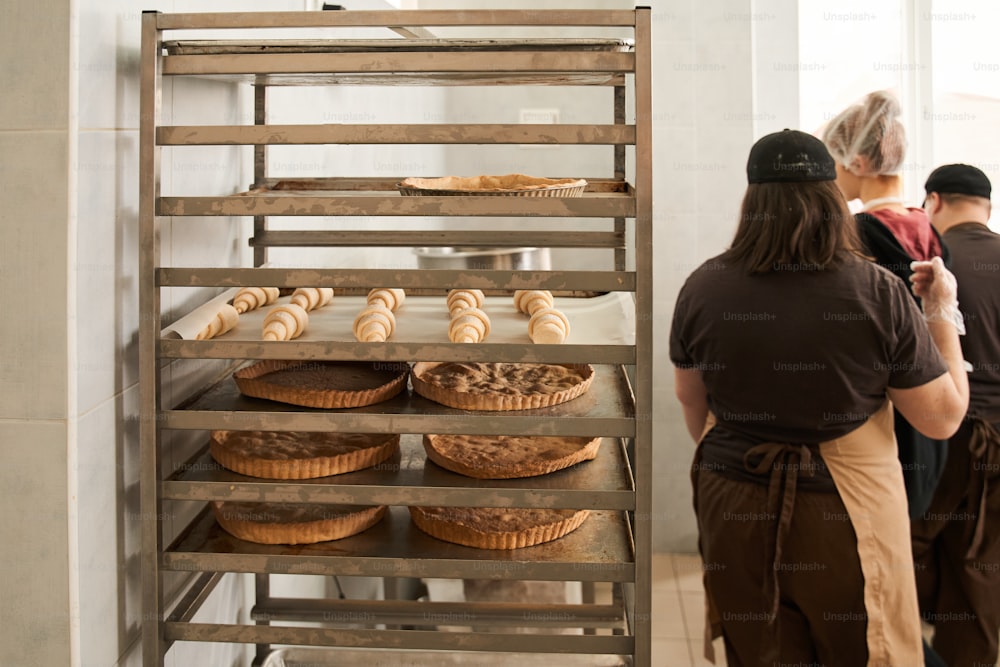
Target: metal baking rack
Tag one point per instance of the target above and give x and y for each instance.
(612, 548)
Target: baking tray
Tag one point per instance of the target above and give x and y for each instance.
(234, 47)
(607, 319)
(301, 657)
(602, 483)
(599, 550)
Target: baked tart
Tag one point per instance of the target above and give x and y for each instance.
(300, 455)
(294, 523)
(508, 185)
(508, 456)
(500, 386)
(497, 527)
(323, 384)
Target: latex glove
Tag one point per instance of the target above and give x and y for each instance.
(938, 291)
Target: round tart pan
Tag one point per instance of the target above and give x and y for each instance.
(508, 457)
(513, 397)
(300, 455)
(323, 384)
(497, 527)
(294, 523)
(508, 185)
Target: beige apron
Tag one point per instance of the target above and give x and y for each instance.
(865, 467)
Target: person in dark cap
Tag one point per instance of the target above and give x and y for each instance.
(787, 349)
(956, 542)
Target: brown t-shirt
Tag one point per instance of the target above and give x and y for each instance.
(799, 356)
(975, 254)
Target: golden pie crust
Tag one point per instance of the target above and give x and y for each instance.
(294, 523)
(300, 455)
(323, 384)
(508, 185)
(508, 456)
(497, 527)
(500, 386)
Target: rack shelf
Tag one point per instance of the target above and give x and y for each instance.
(606, 409)
(599, 550)
(604, 483)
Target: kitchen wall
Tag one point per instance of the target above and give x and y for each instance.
(68, 266)
(703, 127)
(105, 539)
(69, 270)
(35, 333)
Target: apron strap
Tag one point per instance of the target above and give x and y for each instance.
(713, 622)
(984, 449)
(783, 463)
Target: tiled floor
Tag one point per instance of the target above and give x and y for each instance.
(677, 609)
(678, 615)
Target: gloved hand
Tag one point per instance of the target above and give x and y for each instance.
(938, 291)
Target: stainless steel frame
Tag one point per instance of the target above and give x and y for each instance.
(613, 546)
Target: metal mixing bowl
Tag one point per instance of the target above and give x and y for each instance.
(483, 259)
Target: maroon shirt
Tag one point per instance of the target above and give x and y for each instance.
(913, 231)
(799, 356)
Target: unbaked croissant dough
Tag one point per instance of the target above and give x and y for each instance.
(285, 322)
(548, 325)
(252, 298)
(374, 324)
(311, 298)
(224, 320)
(471, 325)
(461, 299)
(391, 298)
(530, 300)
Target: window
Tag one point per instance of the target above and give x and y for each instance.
(965, 111)
(938, 57)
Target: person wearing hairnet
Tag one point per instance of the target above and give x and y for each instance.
(787, 348)
(868, 143)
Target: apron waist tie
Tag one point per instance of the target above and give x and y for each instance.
(783, 463)
(984, 448)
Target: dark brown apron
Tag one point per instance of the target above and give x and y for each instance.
(865, 467)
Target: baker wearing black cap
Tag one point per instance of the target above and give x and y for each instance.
(789, 156)
(785, 349)
(957, 541)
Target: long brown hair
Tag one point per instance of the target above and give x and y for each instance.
(793, 226)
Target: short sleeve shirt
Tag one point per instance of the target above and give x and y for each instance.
(975, 252)
(800, 356)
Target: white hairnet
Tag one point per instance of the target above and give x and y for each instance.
(870, 130)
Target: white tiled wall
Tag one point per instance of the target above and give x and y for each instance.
(34, 623)
(702, 132)
(43, 432)
(106, 273)
(34, 145)
(33, 269)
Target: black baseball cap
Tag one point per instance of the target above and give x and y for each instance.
(959, 179)
(790, 156)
